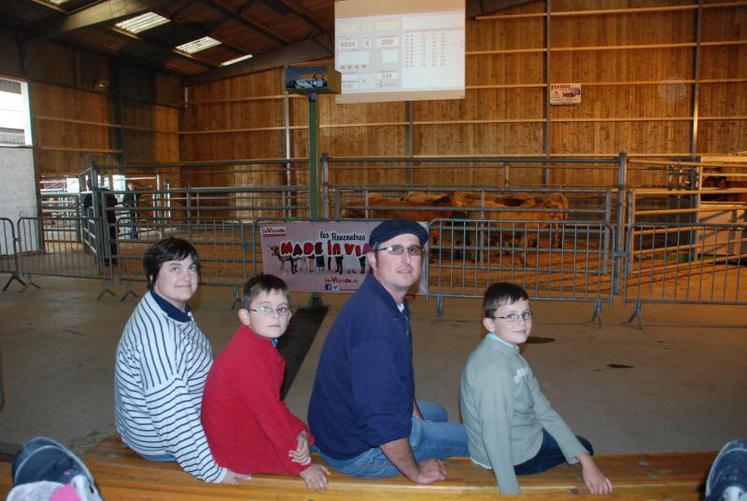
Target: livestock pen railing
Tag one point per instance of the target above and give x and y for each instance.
(552, 260)
(685, 263)
(52, 246)
(561, 242)
(680, 249)
(226, 249)
(8, 252)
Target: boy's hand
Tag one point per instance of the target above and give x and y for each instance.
(233, 478)
(301, 454)
(315, 477)
(594, 479)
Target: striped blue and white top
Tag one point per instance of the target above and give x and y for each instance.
(162, 362)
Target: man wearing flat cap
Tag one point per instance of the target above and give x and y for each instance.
(363, 412)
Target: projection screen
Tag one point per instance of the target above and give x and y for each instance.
(389, 50)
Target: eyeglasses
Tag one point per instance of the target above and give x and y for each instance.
(398, 250)
(263, 309)
(514, 317)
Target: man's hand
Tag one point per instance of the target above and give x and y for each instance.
(315, 477)
(233, 478)
(430, 470)
(595, 480)
(301, 454)
(400, 454)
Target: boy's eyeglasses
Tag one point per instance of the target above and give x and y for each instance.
(398, 250)
(514, 317)
(282, 310)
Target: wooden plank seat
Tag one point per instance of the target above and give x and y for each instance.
(121, 474)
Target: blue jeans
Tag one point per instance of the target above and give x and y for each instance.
(430, 437)
(549, 455)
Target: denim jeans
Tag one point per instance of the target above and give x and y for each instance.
(549, 455)
(430, 437)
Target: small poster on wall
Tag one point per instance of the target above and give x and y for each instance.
(565, 94)
(313, 256)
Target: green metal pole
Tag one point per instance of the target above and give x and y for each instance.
(316, 299)
(314, 155)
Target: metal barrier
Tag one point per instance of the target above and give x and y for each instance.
(8, 252)
(680, 263)
(52, 246)
(552, 260)
(222, 245)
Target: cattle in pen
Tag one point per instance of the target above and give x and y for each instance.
(536, 217)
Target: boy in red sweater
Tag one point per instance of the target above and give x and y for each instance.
(248, 427)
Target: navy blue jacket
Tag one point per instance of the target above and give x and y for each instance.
(364, 389)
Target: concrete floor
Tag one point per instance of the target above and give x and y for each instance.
(680, 384)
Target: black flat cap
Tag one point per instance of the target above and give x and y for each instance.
(394, 227)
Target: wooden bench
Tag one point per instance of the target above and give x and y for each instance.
(121, 474)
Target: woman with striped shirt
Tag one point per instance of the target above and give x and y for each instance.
(162, 361)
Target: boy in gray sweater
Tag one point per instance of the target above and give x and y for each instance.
(511, 426)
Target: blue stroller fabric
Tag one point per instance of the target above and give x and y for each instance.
(43, 464)
(727, 480)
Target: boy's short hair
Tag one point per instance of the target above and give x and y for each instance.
(168, 249)
(259, 284)
(499, 294)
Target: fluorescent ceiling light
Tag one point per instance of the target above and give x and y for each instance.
(57, 2)
(238, 59)
(198, 45)
(142, 22)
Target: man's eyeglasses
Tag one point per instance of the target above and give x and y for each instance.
(263, 309)
(514, 317)
(398, 250)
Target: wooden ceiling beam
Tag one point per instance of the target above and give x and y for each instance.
(296, 53)
(481, 7)
(304, 14)
(160, 53)
(50, 6)
(242, 18)
(107, 12)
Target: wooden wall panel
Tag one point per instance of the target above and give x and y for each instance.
(629, 101)
(622, 65)
(150, 133)
(515, 33)
(478, 139)
(622, 29)
(723, 99)
(724, 61)
(635, 69)
(485, 104)
(609, 138)
(364, 141)
(505, 69)
(722, 137)
(67, 128)
(724, 23)
(265, 83)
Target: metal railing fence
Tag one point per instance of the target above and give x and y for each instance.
(552, 260)
(222, 244)
(8, 252)
(47, 248)
(686, 264)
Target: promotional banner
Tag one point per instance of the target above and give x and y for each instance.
(565, 94)
(315, 256)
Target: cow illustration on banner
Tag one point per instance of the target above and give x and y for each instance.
(314, 256)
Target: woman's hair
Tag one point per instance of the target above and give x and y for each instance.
(168, 249)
